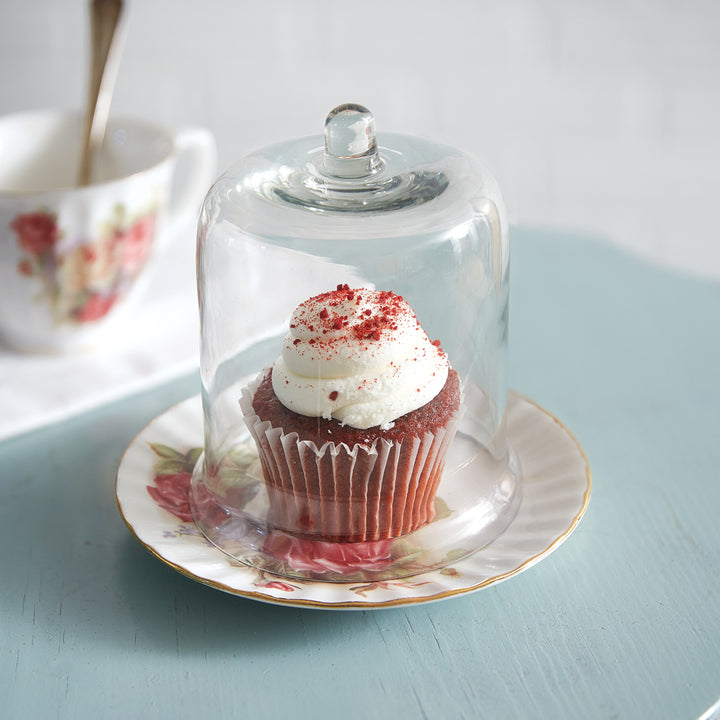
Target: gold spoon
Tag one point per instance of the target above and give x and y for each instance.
(106, 49)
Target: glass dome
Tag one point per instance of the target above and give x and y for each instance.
(347, 215)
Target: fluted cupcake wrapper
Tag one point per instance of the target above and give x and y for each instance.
(348, 494)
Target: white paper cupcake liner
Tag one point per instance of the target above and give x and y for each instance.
(345, 494)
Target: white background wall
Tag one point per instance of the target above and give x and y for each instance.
(596, 115)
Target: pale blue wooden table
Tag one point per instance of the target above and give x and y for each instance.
(622, 621)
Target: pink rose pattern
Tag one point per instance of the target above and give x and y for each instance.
(37, 232)
(172, 475)
(84, 283)
(322, 557)
(134, 244)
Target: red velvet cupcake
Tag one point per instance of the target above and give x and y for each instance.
(354, 420)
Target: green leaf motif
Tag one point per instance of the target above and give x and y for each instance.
(165, 451)
(442, 510)
(191, 456)
(450, 572)
(405, 552)
(240, 458)
(455, 555)
(171, 467)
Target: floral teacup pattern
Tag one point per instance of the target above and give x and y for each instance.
(81, 279)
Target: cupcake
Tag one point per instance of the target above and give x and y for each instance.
(354, 419)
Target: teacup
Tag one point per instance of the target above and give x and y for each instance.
(72, 259)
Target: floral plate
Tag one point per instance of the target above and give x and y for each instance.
(153, 482)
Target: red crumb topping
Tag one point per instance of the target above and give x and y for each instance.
(429, 417)
(328, 308)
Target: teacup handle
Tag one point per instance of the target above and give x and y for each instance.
(193, 174)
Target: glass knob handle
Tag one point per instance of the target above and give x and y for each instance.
(350, 145)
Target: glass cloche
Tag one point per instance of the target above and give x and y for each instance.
(353, 295)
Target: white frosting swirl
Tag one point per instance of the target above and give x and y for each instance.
(358, 356)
